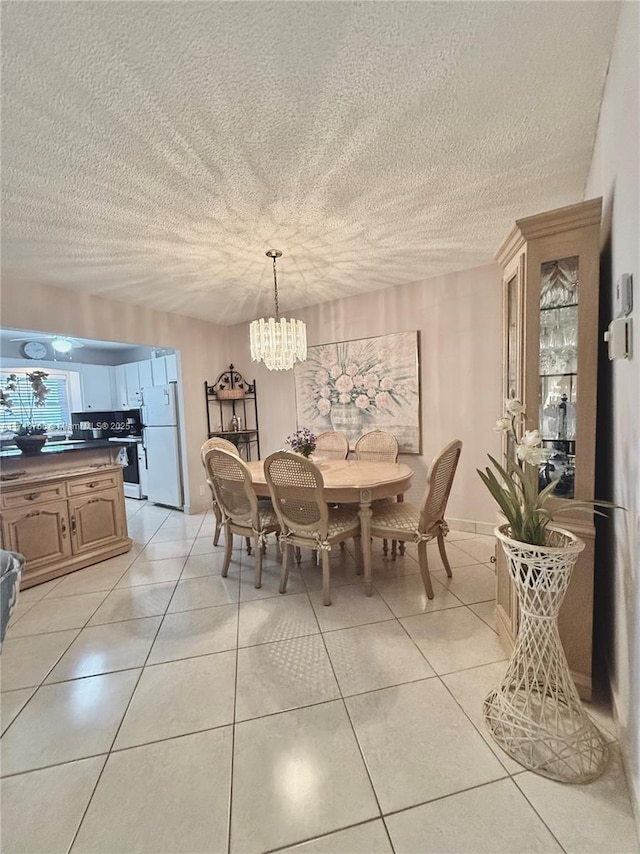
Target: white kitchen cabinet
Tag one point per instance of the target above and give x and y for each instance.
(139, 375)
(145, 374)
(120, 388)
(159, 370)
(172, 368)
(96, 387)
(132, 380)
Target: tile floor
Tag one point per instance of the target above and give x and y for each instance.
(150, 705)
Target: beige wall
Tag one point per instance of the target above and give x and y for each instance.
(203, 348)
(615, 176)
(459, 318)
(459, 321)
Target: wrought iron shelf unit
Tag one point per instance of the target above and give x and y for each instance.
(235, 411)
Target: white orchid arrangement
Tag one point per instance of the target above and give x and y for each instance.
(526, 509)
(529, 446)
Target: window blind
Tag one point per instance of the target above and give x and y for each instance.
(55, 413)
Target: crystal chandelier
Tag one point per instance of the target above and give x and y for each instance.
(278, 341)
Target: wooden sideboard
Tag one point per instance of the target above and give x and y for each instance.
(63, 509)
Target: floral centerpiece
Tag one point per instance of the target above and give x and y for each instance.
(527, 509)
(27, 392)
(303, 441)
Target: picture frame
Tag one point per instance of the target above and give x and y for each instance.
(361, 385)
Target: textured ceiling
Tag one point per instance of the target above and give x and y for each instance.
(152, 152)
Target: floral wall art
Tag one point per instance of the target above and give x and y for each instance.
(362, 385)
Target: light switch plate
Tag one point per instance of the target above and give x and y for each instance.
(624, 295)
(618, 337)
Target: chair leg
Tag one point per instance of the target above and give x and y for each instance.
(284, 577)
(443, 554)
(218, 515)
(228, 548)
(258, 561)
(248, 542)
(326, 592)
(385, 547)
(424, 569)
(401, 548)
(394, 549)
(342, 546)
(298, 554)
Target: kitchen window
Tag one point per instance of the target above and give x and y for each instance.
(54, 415)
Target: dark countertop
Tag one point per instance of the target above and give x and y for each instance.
(65, 447)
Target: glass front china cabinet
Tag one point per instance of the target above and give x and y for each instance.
(550, 318)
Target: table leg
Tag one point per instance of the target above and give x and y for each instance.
(401, 544)
(365, 535)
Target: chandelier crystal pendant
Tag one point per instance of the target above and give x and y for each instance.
(278, 341)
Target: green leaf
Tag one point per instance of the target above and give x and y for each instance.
(502, 498)
(547, 491)
(508, 481)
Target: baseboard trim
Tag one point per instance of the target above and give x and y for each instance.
(469, 526)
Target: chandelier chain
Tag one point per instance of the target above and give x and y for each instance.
(275, 288)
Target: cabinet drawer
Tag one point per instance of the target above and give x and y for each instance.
(82, 486)
(34, 494)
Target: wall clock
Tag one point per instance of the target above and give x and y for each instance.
(34, 350)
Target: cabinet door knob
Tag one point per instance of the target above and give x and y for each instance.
(73, 524)
(31, 496)
(63, 529)
(92, 484)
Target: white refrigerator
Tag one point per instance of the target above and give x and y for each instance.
(161, 439)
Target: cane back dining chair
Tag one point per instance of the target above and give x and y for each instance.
(223, 445)
(242, 513)
(296, 486)
(419, 523)
(378, 446)
(332, 445)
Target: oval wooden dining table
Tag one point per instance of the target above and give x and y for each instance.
(353, 482)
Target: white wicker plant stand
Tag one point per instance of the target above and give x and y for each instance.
(536, 715)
